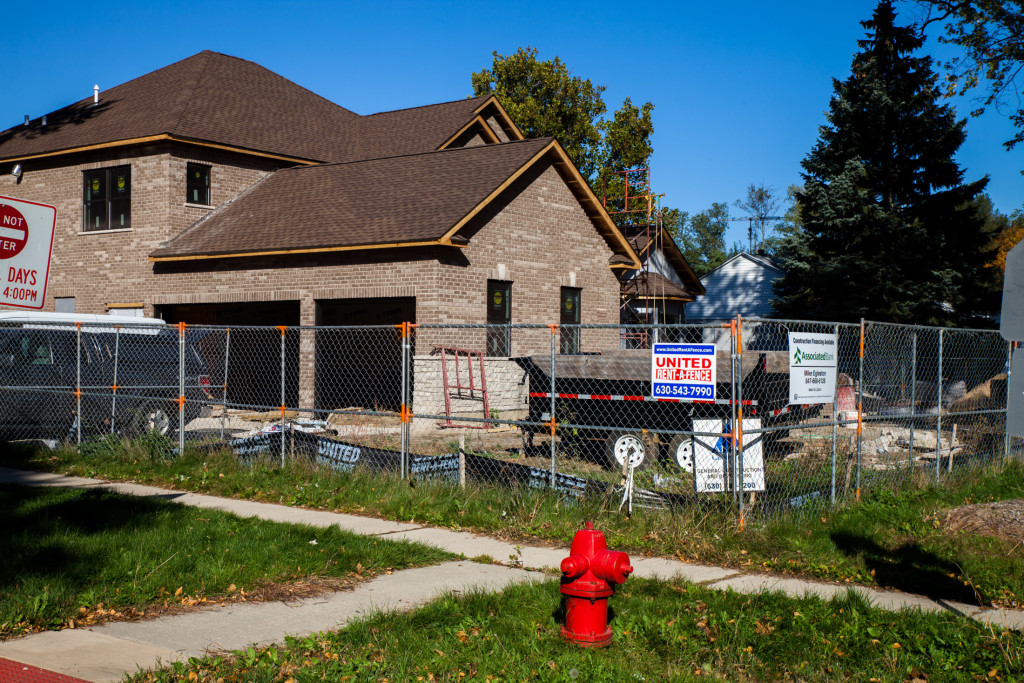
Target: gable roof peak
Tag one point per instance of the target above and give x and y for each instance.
(464, 100)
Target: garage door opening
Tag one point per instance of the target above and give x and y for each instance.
(254, 360)
(360, 367)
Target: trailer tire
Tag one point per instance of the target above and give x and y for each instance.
(680, 452)
(637, 447)
(154, 417)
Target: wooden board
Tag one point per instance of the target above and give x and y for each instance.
(635, 365)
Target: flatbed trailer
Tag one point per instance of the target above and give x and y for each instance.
(607, 397)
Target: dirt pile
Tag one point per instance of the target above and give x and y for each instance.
(1003, 520)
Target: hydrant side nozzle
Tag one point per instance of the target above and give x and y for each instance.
(575, 565)
(612, 566)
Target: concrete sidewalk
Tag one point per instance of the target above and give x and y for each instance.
(108, 651)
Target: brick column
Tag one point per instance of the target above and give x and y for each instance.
(307, 351)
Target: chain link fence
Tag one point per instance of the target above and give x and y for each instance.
(580, 409)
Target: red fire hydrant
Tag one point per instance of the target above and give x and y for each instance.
(589, 574)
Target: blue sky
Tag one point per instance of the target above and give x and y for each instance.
(739, 88)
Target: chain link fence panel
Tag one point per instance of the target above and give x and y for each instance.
(566, 407)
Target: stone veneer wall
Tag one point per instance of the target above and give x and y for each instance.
(508, 387)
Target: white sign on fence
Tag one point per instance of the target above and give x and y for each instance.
(711, 456)
(26, 236)
(683, 371)
(812, 368)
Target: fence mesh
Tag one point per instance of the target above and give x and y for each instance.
(581, 409)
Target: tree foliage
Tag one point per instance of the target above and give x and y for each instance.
(991, 35)
(545, 99)
(702, 239)
(888, 229)
(760, 204)
(1008, 231)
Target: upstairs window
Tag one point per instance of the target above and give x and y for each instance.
(197, 184)
(107, 199)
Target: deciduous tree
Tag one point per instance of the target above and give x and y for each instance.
(544, 98)
(991, 35)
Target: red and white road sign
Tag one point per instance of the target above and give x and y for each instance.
(26, 241)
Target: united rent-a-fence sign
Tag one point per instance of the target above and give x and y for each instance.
(683, 371)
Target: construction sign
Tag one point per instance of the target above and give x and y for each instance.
(26, 238)
(812, 368)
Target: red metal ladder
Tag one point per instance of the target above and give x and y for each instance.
(476, 393)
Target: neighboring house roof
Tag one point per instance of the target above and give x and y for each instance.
(413, 200)
(742, 285)
(227, 102)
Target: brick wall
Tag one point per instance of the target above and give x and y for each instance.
(98, 268)
(535, 235)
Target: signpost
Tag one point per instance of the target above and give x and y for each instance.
(812, 368)
(1011, 327)
(26, 239)
(686, 372)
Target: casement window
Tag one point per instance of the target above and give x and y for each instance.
(107, 199)
(197, 184)
(499, 318)
(569, 314)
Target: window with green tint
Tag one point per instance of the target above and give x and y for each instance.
(107, 199)
(569, 315)
(499, 318)
(197, 184)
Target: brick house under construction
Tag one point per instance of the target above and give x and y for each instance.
(215, 191)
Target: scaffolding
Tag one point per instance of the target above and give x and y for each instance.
(631, 196)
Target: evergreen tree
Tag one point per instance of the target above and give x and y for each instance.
(888, 229)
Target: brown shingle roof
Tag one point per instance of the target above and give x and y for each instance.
(415, 130)
(209, 97)
(655, 286)
(397, 200)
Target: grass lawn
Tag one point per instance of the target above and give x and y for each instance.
(663, 631)
(890, 538)
(73, 557)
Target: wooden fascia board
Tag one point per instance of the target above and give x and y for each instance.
(478, 121)
(446, 238)
(599, 214)
(163, 137)
(511, 129)
(311, 250)
(659, 298)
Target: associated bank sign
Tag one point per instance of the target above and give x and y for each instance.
(812, 368)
